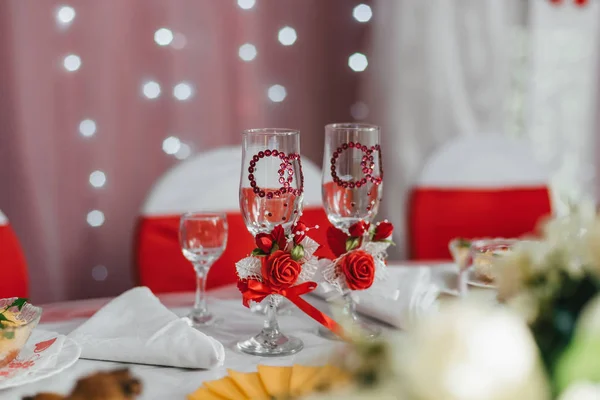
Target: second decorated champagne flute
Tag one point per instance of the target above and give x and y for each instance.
(271, 193)
(352, 187)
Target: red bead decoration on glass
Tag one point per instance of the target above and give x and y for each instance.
(352, 173)
(273, 176)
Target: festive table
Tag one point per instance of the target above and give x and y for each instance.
(236, 322)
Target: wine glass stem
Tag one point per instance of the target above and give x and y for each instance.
(200, 303)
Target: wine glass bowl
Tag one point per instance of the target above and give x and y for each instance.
(352, 173)
(203, 238)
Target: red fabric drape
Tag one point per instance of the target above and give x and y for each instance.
(439, 215)
(13, 267)
(160, 265)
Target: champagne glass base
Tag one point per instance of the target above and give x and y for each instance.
(200, 320)
(366, 330)
(265, 345)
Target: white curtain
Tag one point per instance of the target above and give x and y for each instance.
(473, 67)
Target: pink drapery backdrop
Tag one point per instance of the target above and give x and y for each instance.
(45, 163)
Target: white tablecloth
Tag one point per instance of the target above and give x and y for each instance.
(238, 322)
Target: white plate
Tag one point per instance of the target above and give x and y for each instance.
(68, 355)
(473, 281)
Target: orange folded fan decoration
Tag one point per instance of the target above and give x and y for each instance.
(271, 382)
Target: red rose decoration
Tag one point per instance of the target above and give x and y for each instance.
(299, 231)
(264, 241)
(383, 231)
(359, 229)
(359, 269)
(336, 240)
(279, 270)
(278, 236)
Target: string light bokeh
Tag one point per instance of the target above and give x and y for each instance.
(120, 105)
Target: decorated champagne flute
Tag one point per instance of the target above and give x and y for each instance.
(203, 238)
(271, 193)
(352, 189)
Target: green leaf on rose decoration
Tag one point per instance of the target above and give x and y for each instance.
(352, 243)
(274, 248)
(258, 253)
(19, 303)
(297, 252)
(388, 242)
(9, 335)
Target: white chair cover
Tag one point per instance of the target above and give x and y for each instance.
(486, 161)
(210, 182)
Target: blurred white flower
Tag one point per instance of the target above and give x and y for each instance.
(472, 353)
(581, 391)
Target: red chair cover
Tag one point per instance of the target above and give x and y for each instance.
(162, 267)
(439, 215)
(13, 267)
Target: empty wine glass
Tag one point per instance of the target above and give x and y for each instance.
(352, 187)
(203, 238)
(271, 193)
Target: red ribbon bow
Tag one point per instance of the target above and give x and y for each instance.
(257, 291)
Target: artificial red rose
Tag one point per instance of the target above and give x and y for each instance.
(279, 270)
(264, 241)
(336, 240)
(359, 269)
(358, 229)
(299, 231)
(383, 230)
(278, 236)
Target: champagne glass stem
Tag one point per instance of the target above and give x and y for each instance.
(271, 326)
(200, 302)
(350, 306)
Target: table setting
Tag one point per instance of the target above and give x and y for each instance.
(508, 317)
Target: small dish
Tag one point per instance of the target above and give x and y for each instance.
(484, 254)
(17, 322)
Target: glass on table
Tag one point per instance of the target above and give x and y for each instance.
(271, 194)
(484, 254)
(352, 186)
(203, 238)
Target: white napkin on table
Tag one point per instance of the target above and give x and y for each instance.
(414, 295)
(136, 328)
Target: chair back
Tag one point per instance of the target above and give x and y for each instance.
(13, 266)
(483, 186)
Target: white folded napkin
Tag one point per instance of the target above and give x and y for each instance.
(414, 295)
(136, 328)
